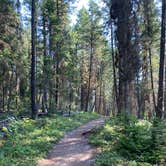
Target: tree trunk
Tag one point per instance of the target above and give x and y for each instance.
(113, 66)
(151, 78)
(45, 91)
(159, 107)
(83, 84)
(33, 44)
(127, 58)
(57, 62)
(90, 72)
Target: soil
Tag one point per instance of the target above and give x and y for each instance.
(74, 149)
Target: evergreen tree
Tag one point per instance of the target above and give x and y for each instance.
(127, 60)
(33, 65)
(159, 107)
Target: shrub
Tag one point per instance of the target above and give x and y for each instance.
(130, 143)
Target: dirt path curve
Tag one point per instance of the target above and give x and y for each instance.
(73, 149)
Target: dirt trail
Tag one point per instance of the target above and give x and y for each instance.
(73, 149)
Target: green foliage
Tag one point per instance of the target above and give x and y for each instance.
(130, 143)
(29, 140)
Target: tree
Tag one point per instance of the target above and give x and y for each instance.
(54, 14)
(159, 107)
(94, 57)
(13, 57)
(127, 60)
(33, 45)
(148, 26)
(94, 35)
(82, 27)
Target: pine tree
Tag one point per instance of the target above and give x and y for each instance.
(127, 60)
(159, 107)
(33, 64)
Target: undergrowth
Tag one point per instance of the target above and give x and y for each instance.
(28, 140)
(130, 143)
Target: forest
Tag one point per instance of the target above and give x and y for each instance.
(77, 74)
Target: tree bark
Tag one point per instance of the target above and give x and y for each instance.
(90, 72)
(113, 66)
(127, 58)
(33, 67)
(159, 107)
(45, 91)
(151, 78)
(57, 62)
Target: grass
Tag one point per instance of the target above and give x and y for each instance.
(130, 143)
(27, 140)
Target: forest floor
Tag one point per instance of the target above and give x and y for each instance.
(74, 149)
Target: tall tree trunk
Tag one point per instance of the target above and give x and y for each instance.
(159, 107)
(113, 66)
(45, 91)
(57, 61)
(33, 44)
(83, 85)
(144, 86)
(97, 99)
(90, 72)
(57, 81)
(82, 97)
(100, 96)
(148, 10)
(104, 100)
(138, 96)
(152, 80)
(148, 16)
(128, 60)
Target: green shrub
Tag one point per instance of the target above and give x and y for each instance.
(130, 143)
(29, 140)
